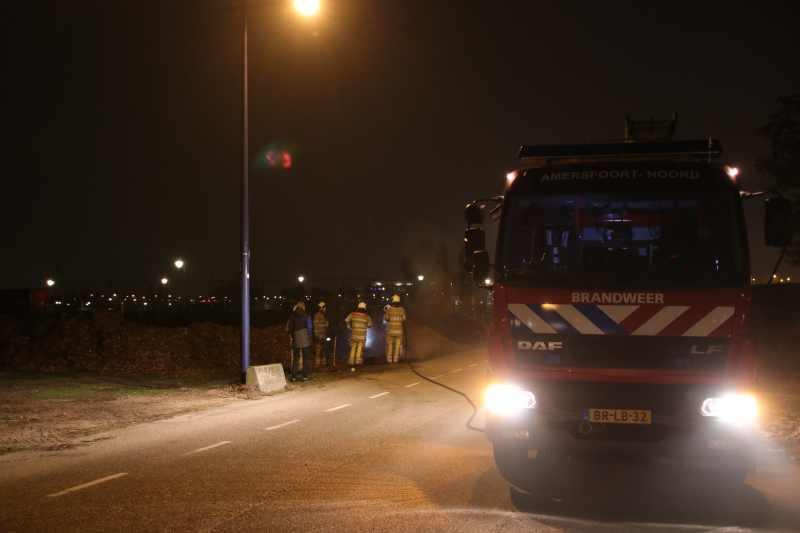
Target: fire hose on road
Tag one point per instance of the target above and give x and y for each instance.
(474, 407)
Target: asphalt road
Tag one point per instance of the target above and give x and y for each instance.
(380, 452)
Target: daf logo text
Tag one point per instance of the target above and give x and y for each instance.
(525, 345)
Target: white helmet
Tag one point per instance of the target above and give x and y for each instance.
(395, 298)
(362, 305)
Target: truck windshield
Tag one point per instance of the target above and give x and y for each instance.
(648, 239)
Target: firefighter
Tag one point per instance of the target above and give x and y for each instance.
(321, 334)
(395, 316)
(358, 322)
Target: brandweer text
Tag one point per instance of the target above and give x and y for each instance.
(617, 297)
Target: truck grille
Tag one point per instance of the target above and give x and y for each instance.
(645, 352)
(573, 397)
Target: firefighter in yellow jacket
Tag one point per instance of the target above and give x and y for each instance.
(395, 316)
(358, 322)
(321, 335)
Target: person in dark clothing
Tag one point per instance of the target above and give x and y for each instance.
(299, 327)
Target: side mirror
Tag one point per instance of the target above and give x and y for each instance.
(480, 265)
(473, 214)
(778, 222)
(474, 241)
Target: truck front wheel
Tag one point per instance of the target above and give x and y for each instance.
(514, 465)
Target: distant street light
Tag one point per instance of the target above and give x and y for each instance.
(300, 279)
(181, 264)
(420, 278)
(164, 281)
(50, 282)
(488, 282)
(305, 8)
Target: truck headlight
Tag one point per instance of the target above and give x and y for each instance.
(734, 408)
(508, 399)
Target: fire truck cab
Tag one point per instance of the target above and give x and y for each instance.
(622, 305)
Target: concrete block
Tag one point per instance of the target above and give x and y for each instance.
(266, 377)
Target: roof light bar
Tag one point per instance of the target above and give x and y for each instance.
(629, 151)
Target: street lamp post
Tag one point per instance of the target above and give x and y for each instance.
(51, 283)
(181, 264)
(245, 219)
(305, 8)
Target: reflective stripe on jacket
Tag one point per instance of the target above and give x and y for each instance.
(358, 324)
(395, 316)
(320, 325)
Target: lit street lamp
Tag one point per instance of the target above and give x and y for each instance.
(181, 264)
(300, 279)
(50, 282)
(305, 8)
(420, 278)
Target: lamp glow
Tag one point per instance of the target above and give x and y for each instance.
(306, 8)
(300, 279)
(420, 278)
(164, 281)
(733, 408)
(508, 399)
(50, 282)
(179, 263)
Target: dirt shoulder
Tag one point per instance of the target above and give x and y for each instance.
(52, 411)
(779, 420)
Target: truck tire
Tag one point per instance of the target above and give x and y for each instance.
(732, 477)
(514, 465)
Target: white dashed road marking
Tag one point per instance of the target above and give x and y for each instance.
(377, 395)
(281, 425)
(474, 364)
(437, 377)
(340, 407)
(95, 482)
(407, 386)
(209, 447)
(459, 370)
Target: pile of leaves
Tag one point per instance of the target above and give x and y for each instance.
(105, 342)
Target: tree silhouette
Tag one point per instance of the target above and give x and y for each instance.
(783, 162)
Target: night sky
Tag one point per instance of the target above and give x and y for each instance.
(122, 121)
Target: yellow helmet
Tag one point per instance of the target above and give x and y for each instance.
(395, 298)
(322, 304)
(362, 305)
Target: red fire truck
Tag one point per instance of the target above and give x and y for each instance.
(622, 306)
